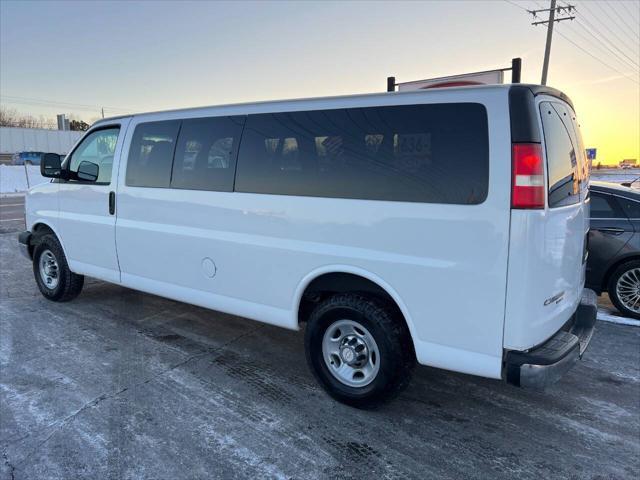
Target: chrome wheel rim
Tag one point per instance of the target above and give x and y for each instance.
(49, 271)
(350, 353)
(628, 289)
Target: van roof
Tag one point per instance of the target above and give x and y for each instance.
(534, 89)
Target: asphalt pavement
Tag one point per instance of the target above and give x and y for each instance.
(11, 213)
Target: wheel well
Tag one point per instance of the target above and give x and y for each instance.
(339, 282)
(329, 284)
(39, 230)
(612, 268)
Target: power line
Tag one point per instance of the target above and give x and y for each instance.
(631, 29)
(596, 58)
(589, 27)
(634, 17)
(42, 104)
(606, 11)
(516, 5)
(570, 8)
(605, 24)
(601, 44)
(582, 18)
(39, 101)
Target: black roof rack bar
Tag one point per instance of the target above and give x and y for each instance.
(516, 74)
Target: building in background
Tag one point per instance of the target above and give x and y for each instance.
(628, 163)
(14, 140)
(63, 122)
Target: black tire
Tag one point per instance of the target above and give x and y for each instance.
(397, 357)
(613, 294)
(69, 285)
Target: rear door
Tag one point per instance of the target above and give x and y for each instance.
(547, 255)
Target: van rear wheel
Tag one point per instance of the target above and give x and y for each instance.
(359, 350)
(624, 288)
(53, 276)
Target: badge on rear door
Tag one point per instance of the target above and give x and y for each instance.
(555, 299)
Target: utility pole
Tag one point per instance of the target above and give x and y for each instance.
(547, 48)
(549, 22)
(102, 109)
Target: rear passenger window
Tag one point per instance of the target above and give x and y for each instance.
(151, 154)
(604, 206)
(206, 153)
(416, 153)
(562, 162)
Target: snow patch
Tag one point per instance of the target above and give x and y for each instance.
(607, 317)
(18, 178)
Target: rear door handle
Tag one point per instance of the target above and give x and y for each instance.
(611, 230)
(112, 203)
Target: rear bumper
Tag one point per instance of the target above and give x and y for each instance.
(545, 364)
(24, 239)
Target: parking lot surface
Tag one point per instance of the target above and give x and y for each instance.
(11, 213)
(120, 384)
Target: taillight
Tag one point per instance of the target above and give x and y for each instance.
(527, 181)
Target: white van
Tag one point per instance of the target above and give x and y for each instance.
(445, 226)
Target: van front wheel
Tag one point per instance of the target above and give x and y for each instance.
(55, 281)
(358, 349)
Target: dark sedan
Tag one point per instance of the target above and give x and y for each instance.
(614, 245)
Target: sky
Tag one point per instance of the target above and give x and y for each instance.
(128, 56)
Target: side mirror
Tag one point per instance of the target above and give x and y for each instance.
(87, 171)
(626, 184)
(50, 165)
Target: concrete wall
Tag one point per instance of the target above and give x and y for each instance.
(14, 140)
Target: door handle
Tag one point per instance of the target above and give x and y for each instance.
(611, 230)
(112, 203)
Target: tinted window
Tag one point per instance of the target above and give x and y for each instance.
(604, 206)
(151, 154)
(205, 157)
(571, 124)
(98, 147)
(564, 176)
(416, 153)
(631, 207)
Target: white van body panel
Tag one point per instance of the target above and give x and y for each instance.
(41, 207)
(546, 270)
(445, 265)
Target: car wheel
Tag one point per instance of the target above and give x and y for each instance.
(55, 281)
(359, 349)
(624, 288)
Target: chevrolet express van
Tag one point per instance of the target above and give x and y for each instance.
(445, 227)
